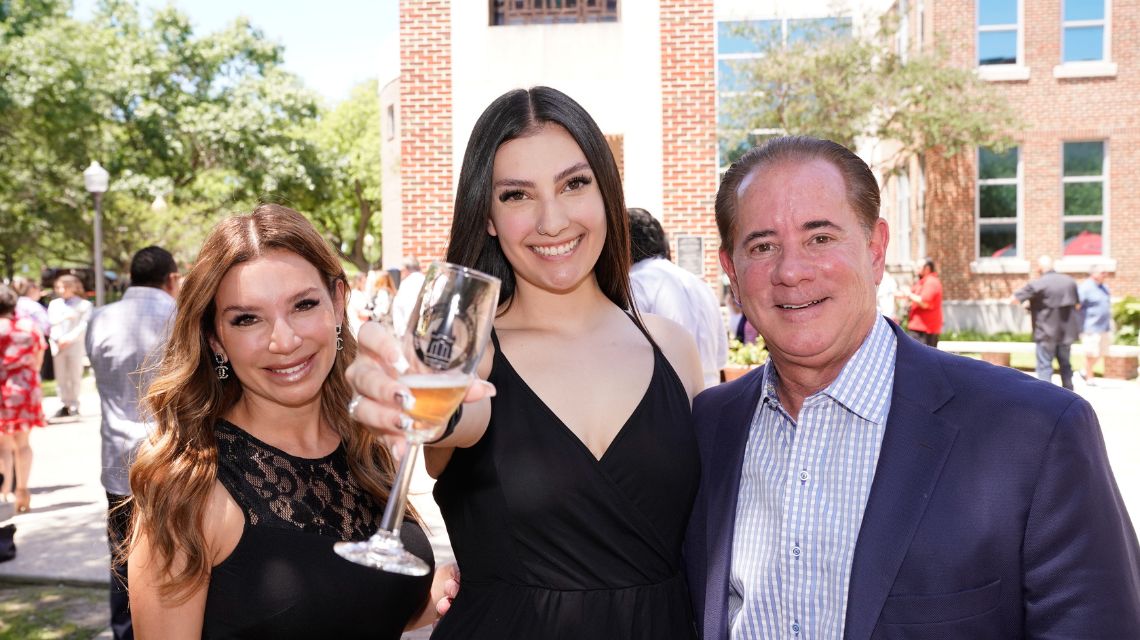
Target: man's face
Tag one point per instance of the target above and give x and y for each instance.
(805, 270)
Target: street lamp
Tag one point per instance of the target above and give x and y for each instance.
(96, 179)
(368, 250)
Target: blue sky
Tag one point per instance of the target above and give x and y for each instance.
(331, 44)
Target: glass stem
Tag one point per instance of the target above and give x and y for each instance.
(398, 498)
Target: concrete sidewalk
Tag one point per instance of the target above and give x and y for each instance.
(63, 537)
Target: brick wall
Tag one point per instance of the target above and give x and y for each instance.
(426, 196)
(1052, 111)
(688, 98)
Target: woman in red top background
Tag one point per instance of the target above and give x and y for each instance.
(21, 354)
(924, 322)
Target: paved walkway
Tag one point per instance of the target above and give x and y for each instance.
(62, 538)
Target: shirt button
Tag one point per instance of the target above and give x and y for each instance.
(804, 476)
(796, 628)
(795, 552)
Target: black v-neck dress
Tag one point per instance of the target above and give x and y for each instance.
(553, 543)
(283, 580)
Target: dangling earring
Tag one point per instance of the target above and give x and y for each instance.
(339, 340)
(221, 369)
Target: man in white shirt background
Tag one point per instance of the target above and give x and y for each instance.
(411, 281)
(124, 342)
(664, 289)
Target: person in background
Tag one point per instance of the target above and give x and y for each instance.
(1053, 301)
(254, 468)
(359, 303)
(21, 399)
(1096, 319)
(68, 313)
(887, 297)
(566, 495)
(861, 485)
(740, 329)
(924, 321)
(411, 280)
(662, 288)
(124, 343)
(29, 305)
(382, 292)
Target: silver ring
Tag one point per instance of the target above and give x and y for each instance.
(353, 404)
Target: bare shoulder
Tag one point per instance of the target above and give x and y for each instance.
(222, 524)
(679, 348)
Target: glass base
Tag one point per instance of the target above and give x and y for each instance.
(383, 551)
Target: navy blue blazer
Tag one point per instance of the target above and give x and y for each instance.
(993, 512)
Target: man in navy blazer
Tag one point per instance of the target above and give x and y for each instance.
(991, 512)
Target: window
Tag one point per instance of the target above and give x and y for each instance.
(512, 12)
(390, 120)
(1083, 182)
(998, 199)
(1083, 31)
(998, 32)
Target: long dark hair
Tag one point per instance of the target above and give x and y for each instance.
(518, 114)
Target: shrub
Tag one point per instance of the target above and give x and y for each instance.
(744, 355)
(1126, 315)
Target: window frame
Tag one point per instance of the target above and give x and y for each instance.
(1103, 68)
(1104, 201)
(1103, 23)
(1006, 71)
(532, 15)
(979, 222)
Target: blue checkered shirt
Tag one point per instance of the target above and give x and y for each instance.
(803, 490)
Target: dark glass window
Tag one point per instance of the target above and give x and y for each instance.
(1083, 182)
(998, 192)
(515, 12)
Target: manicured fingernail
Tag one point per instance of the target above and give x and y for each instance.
(406, 400)
(406, 423)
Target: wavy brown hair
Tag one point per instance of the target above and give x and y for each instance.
(177, 465)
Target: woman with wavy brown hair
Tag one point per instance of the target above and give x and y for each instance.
(254, 467)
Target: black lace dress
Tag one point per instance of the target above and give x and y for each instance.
(283, 579)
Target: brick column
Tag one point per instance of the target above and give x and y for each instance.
(688, 99)
(426, 179)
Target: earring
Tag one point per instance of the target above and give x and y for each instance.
(221, 370)
(339, 340)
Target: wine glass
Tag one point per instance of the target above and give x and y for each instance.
(447, 332)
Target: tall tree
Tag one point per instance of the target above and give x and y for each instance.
(830, 83)
(209, 123)
(349, 138)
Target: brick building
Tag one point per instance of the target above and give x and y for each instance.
(1071, 70)
(651, 73)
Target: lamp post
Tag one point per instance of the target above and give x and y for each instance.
(96, 178)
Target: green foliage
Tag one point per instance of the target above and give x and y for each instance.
(744, 355)
(1126, 315)
(832, 85)
(210, 123)
(349, 139)
(968, 335)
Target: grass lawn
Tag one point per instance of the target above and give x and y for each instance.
(51, 611)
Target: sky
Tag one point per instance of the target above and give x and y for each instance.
(331, 44)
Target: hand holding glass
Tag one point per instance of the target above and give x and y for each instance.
(447, 333)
